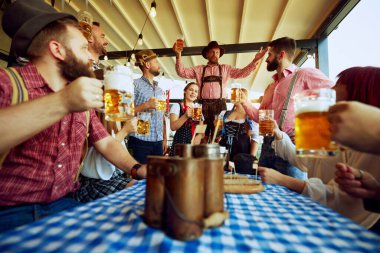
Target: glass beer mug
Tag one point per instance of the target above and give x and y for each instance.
(143, 123)
(197, 112)
(85, 23)
(266, 124)
(161, 101)
(118, 94)
(235, 93)
(312, 129)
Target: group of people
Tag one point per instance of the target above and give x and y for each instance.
(44, 133)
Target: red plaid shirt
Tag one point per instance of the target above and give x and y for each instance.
(43, 168)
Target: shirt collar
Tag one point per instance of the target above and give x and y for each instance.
(33, 77)
(146, 80)
(287, 71)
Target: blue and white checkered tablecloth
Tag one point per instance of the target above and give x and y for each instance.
(276, 220)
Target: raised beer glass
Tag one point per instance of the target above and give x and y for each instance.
(118, 94)
(179, 42)
(161, 101)
(85, 23)
(235, 93)
(197, 112)
(266, 124)
(143, 123)
(312, 129)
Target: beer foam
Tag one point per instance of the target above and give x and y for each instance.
(119, 81)
(313, 106)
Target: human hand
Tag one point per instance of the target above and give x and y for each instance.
(130, 126)
(270, 176)
(152, 103)
(176, 49)
(356, 125)
(189, 112)
(276, 131)
(259, 55)
(82, 94)
(357, 183)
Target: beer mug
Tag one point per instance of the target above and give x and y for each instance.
(180, 41)
(143, 123)
(118, 94)
(312, 129)
(197, 112)
(85, 23)
(266, 124)
(161, 101)
(235, 93)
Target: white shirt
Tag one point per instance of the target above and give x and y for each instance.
(321, 185)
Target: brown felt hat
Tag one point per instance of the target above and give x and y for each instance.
(212, 44)
(24, 19)
(144, 56)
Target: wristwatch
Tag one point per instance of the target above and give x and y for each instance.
(134, 170)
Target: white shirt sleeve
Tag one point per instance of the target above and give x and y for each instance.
(174, 109)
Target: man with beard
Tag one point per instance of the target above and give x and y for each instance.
(43, 138)
(288, 80)
(146, 93)
(98, 44)
(212, 79)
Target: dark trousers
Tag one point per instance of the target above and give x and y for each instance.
(14, 216)
(269, 159)
(141, 149)
(210, 109)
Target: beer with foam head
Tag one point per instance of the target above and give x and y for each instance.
(197, 112)
(143, 123)
(266, 124)
(85, 23)
(118, 95)
(236, 93)
(312, 128)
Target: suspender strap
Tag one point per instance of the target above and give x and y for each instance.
(20, 94)
(85, 145)
(220, 80)
(286, 103)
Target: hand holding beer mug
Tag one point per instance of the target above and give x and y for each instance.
(312, 129)
(197, 112)
(266, 124)
(235, 93)
(179, 42)
(118, 94)
(85, 23)
(143, 123)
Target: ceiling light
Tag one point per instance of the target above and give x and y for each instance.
(140, 40)
(153, 12)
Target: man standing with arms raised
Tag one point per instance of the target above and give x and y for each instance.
(212, 79)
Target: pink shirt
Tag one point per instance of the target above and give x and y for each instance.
(43, 168)
(276, 93)
(211, 90)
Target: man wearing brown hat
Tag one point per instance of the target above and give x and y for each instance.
(41, 151)
(212, 79)
(146, 93)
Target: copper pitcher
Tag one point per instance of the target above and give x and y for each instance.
(184, 195)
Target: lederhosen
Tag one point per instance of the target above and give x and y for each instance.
(212, 107)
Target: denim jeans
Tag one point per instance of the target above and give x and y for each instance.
(12, 217)
(141, 149)
(269, 159)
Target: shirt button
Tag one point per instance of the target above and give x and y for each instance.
(59, 165)
(64, 122)
(63, 144)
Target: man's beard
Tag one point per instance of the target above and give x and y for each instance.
(273, 65)
(72, 68)
(154, 72)
(213, 60)
(99, 48)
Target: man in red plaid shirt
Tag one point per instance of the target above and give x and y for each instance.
(44, 137)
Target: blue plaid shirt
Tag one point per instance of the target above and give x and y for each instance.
(144, 90)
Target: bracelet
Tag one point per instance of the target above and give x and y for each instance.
(134, 170)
